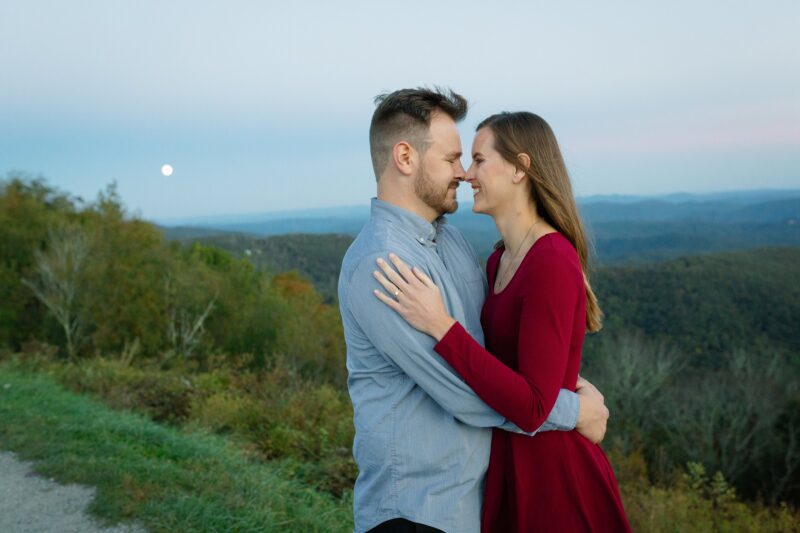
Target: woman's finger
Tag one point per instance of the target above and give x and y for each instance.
(423, 277)
(392, 274)
(402, 268)
(390, 287)
(391, 302)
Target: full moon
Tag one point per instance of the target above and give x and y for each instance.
(166, 170)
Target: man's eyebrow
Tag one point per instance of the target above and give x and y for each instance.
(454, 154)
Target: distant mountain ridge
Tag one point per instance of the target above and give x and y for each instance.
(623, 230)
(712, 211)
(251, 218)
(735, 206)
(732, 197)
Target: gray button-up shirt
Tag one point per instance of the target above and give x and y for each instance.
(422, 435)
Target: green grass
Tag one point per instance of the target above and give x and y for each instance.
(160, 477)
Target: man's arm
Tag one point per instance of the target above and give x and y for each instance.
(412, 351)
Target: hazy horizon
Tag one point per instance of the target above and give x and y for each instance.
(277, 214)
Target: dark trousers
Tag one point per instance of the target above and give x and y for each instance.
(401, 525)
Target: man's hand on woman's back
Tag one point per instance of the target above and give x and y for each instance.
(593, 415)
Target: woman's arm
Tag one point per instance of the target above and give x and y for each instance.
(549, 298)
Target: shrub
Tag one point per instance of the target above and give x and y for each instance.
(693, 502)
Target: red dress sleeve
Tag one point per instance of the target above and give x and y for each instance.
(549, 296)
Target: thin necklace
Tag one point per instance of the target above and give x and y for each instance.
(501, 277)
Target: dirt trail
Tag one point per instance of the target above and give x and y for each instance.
(30, 503)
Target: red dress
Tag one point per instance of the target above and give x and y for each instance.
(556, 480)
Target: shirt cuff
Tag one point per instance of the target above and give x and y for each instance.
(564, 415)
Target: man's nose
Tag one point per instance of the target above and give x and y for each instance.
(460, 172)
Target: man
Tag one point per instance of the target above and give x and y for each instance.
(422, 435)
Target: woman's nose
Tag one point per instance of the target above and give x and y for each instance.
(470, 175)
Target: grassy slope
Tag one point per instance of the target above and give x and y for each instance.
(165, 479)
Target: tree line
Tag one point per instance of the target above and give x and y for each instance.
(89, 278)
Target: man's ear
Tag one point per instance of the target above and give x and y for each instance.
(524, 164)
(404, 158)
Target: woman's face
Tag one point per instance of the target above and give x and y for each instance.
(490, 176)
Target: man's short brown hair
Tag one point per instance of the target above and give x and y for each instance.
(405, 115)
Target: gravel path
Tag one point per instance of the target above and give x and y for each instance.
(30, 503)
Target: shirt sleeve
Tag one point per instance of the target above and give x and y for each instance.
(412, 351)
(548, 304)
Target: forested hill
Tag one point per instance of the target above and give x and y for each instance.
(709, 304)
(317, 257)
(705, 304)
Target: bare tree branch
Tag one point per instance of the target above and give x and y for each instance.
(60, 280)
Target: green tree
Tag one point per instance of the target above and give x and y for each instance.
(29, 208)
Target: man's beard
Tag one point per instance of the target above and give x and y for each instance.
(433, 197)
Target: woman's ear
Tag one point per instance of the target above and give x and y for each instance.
(519, 170)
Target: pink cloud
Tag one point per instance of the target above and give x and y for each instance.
(772, 127)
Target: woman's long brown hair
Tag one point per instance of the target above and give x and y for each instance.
(551, 190)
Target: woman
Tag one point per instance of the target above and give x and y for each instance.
(539, 306)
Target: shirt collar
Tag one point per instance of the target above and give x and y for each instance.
(423, 231)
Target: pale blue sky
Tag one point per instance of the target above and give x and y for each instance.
(265, 106)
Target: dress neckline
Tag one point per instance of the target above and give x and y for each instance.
(519, 267)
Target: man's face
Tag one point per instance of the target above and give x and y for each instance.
(440, 171)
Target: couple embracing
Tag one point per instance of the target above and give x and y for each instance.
(468, 408)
